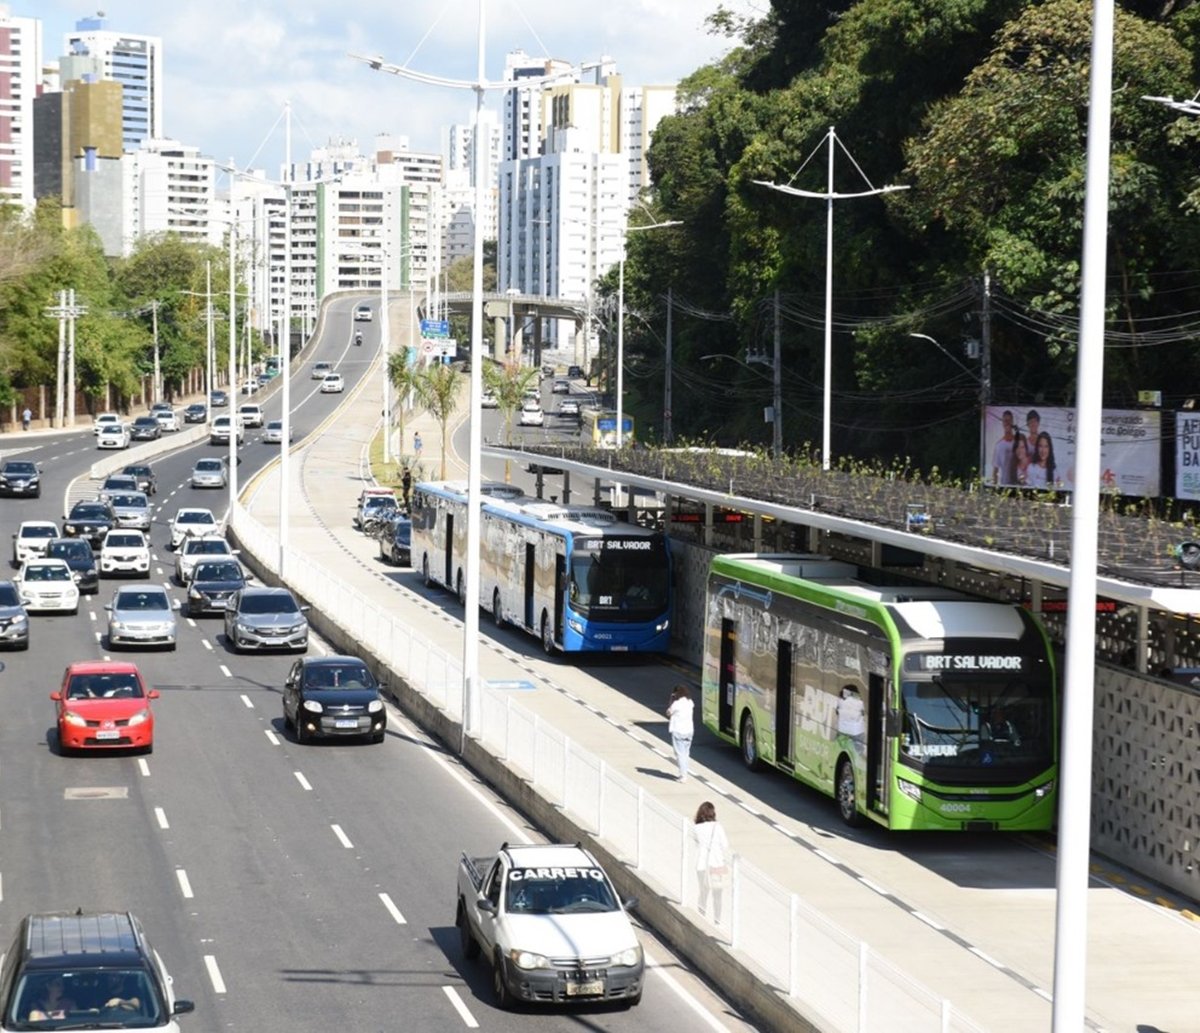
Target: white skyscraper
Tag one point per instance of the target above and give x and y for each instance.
(20, 75)
(136, 62)
(169, 188)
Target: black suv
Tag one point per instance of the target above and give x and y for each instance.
(90, 521)
(77, 970)
(146, 428)
(77, 554)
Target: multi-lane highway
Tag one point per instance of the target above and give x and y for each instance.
(286, 887)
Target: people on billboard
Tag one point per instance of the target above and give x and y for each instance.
(1021, 461)
(1041, 472)
(1002, 453)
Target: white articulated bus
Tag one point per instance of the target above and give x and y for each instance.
(574, 576)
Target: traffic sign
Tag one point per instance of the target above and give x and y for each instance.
(435, 328)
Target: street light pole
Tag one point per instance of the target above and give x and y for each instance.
(829, 196)
(233, 454)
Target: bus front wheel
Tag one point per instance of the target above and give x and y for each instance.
(749, 741)
(846, 794)
(425, 572)
(547, 635)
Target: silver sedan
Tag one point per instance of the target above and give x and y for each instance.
(209, 473)
(141, 615)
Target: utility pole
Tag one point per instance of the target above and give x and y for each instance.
(157, 367)
(777, 385)
(668, 433)
(65, 312)
(985, 342)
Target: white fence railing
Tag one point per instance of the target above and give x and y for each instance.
(791, 945)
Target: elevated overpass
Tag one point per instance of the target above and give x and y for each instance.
(516, 309)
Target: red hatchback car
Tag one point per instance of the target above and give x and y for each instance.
(104, 705)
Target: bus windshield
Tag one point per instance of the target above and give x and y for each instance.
(620, 579)
(961, 727)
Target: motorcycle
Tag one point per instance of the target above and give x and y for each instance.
(358, 337)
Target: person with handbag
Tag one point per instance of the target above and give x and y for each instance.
(713, 859)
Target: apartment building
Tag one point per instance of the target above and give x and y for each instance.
(20, 79)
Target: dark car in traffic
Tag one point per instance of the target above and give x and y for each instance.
(143, 474)
(145, 428)
(218, 399)
(20, 477)
(14, 620)
(395, 541)
(197, 412)
(213, 583)
(333, 697)
(77, 554)
(90, 521)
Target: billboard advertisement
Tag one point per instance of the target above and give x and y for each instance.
(1187, 455)
(1034, 447)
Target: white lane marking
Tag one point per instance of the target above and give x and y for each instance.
(701, 1012)
(185, 886)
(214, 974)
(207, 645)
(303, 781)
(271, 737)
(246, 699)
(191, 622)
(985, 957)
(928, 921)
(342, 837)
(161, 815)
(872, 886)
(392, 909)
(461, 1008)
(99, 636)
(143, 767)
(455, 772)
(1, 886)
(92, 614)
(226, 671)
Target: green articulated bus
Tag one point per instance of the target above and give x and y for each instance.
(915, 707)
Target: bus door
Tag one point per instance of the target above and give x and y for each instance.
(448, 574)
(560, 581)
(529, 582)
(726, 680)
(877, 740)
(783, 703)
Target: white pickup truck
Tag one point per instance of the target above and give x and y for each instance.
(551, 925)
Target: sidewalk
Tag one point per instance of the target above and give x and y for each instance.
(613, 725)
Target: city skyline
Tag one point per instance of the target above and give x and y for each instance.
(299, 52)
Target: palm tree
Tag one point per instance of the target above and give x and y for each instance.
(404, 379)
(508, 382)
(437, 389)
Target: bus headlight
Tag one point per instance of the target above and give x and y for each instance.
(661, 626)
(1042, 791)
(575, 626)
(909, 789)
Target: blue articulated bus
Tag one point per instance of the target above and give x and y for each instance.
(574, 576)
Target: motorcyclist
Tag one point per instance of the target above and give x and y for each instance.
(358, 337)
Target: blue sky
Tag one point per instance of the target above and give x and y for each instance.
(231, 64)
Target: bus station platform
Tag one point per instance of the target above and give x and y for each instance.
(967, 920)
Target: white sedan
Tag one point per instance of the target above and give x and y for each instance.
(191, 522)
(332, 384)
(48, 585)
(103, 420)
(113, 435)
(125, 552)
(531, 414)
(167, 419)
(31, 538)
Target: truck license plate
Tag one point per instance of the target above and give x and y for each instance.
(589, 989)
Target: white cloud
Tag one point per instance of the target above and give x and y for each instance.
(231, 64)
